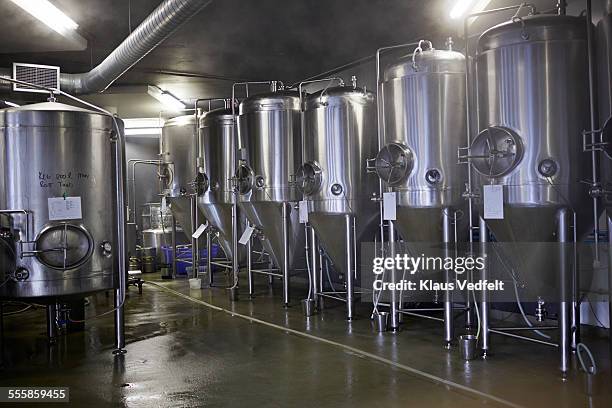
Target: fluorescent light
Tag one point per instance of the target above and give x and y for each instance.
(169, 101)
(460, 8)
(143, 126)
(48, 14)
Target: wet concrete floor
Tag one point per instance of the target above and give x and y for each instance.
(182, 353)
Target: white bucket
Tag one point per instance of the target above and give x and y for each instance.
(195, 283)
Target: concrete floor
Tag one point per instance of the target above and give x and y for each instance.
(182, 353)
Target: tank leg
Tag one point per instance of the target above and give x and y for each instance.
(314, 262)
(52, 329)
(484, 301)
(285, 266)
(565, 294)
(194, 241)
(250, 267)
(447, 238)
(173, 275)
(209, 257)
(394, 301)
(609, 218)
(350, 266)
(575, 309)
(235, 266)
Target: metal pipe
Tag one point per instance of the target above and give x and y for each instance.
(52, 329)
(593, 122)
(350, 256)
(564, 304)
(438, 319)
(157, 27)
(484, 303)
(518, 336)
(235, 265)
(131, 190)
(561, 7)
(526, 328)
(194, 241)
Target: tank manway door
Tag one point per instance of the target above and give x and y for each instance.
(63, 246)
(496, 151)
(394, 163)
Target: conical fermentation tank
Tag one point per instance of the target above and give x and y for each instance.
(424, 125)
(604, 60)
(58, 224)
(339, 137)
(218, 149)
(533, 107)
(270, 137)
(178, 150)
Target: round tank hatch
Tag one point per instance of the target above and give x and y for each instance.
(309, 178)
(64, 246)
(496, 151)
(394, 163)
(245, 178)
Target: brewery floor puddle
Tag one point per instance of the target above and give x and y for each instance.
(181, 352)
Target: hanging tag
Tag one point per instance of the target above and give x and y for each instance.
(303, 211)
(64, 208)
(200, 231)
(493, 202)
(246, 235)
(163, 204)
(389, 206)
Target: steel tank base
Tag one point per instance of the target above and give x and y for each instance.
(54, 289)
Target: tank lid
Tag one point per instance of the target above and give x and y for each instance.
(429, 61)
(180, 121)
(339, 95)
(541, 27)
(219, 115)
(271, 101)
(51, 106)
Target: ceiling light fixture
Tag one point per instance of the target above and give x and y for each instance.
(168, 100)
(143, 126)
(46, 12)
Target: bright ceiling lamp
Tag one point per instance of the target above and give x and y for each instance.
(48, 14)
(168, 100)
(143, 126)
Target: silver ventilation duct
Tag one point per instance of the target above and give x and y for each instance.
(158, 26)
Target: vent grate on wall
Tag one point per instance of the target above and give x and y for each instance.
(42, 75)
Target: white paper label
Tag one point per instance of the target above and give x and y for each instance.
(163, 204)
(493, 202)
(303, 211)
(389, 206)
(199, 231)
(64, 208)
(246, 235)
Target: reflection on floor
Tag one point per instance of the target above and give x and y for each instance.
(182, 353)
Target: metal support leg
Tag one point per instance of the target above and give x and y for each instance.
(285, 265)
(194, 241)
(250, 267)
(209, 257)
(394, 301)
(447, 238)
(575, 308)
(609, 217)
(173, 248)
(52, 329)
(484, 302)
(119, 321)
(235, 266)
(349, 237)
(314, 262)
(565, 294)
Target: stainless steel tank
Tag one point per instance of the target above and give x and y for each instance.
(339, 137)
(269, 133)
(218, 149)
(178, 150)
(533, 107)
(58, 169)
(424, 125)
